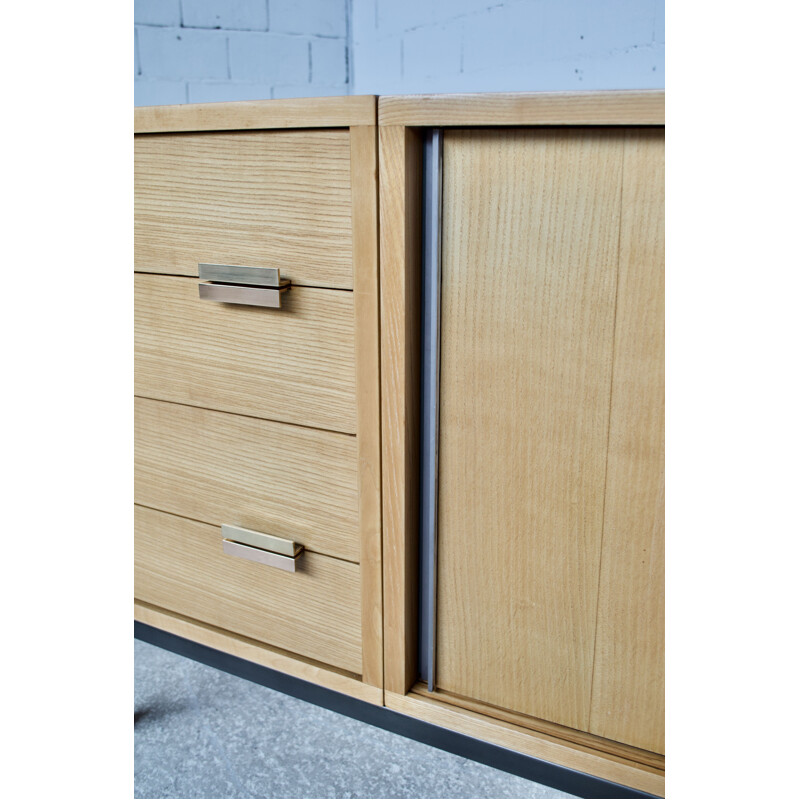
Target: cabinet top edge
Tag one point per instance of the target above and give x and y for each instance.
(301, 112)
(618, 107)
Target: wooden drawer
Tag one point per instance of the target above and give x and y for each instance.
(293, 482)
(314, 612)
(256, 198)
(294, 364)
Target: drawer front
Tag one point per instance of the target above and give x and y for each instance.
(258, 198)
(293, 482)
(314, 612)
(294, 364)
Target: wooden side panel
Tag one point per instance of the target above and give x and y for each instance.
(315, 611)
(628, 691)
(400, 210)
(364, 180)
(262, 198)
(292, 482)
(530, 246)
(293, 364)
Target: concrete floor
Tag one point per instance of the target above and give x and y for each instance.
(204, 733)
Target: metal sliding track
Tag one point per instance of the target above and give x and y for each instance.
(429, 416)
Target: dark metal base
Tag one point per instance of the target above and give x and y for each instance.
(532, 769)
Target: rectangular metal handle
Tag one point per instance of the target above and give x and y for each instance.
(259, 556)
(248, 286)
(261, 547)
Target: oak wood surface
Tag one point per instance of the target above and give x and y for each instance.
(364, 182)
(400, 210)
(261, 198)
(628, 687)
(542, 726)
(258, 653)
(311, 112)
(292, 482)
(621, 107)
(179, 565)
(529, 257)
(538, 745)
(293, 364)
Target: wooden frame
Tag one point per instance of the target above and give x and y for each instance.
(539, 108)
(364, 189)
(319, 112)
(400, 206)
(358, 115)
(538, 745)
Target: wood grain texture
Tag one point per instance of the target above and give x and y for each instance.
(628, 689)
(295, 483)
(535, 108)
(542, 726)
(262, 199)
(311, 112)
(180, 566)
(400, 212)
(364, 182)
(258, 653)
(538, 745)
(293, 364)
(529, 260)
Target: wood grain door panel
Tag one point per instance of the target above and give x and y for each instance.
(541, 346)
(628, 687)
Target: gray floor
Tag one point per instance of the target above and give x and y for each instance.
(203, 733)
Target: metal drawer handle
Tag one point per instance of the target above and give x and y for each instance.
(247, 286)
(261, 548)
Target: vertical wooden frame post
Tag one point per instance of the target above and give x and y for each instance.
(400, 205)
(364, 188)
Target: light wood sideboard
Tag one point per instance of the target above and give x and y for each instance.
(475, 470)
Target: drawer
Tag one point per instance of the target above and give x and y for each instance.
(294, 364)
(293, 482)
(256, 198)
(314, 612)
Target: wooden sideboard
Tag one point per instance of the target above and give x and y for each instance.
(522, 601)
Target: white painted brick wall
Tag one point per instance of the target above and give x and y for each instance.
(235, 15)
(329, 61)
(182, 53)
(320, 17)
(409, 46)
(157, 12)
(209, 50)
(215, 50)
(268, 57)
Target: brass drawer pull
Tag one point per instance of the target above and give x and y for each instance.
(261, 548)
(247, 286)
